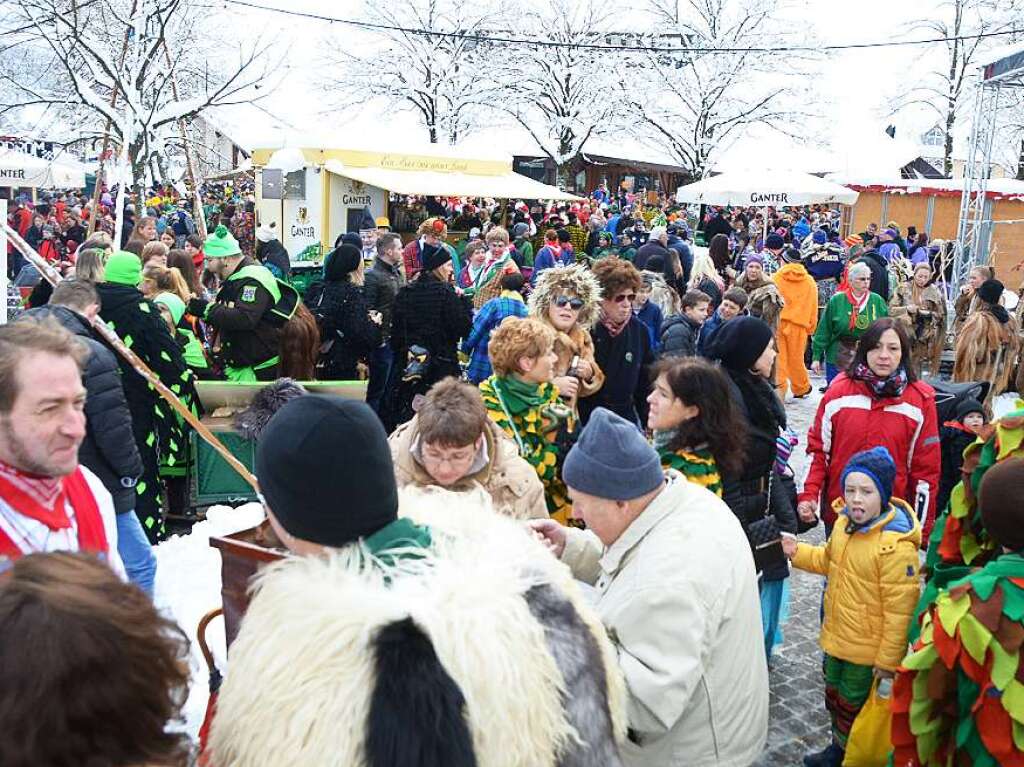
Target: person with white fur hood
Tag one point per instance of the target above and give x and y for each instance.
(388, 640)
(677, 593)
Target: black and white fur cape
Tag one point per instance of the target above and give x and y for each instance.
(481, 654)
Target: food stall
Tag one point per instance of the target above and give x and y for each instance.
(312, 194)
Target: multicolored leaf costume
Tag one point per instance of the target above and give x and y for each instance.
(959, 696)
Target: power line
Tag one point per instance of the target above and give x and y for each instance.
(606, 47)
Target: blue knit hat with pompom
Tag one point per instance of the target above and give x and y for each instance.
(876, 463)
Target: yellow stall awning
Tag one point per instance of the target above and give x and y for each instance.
(450, 183)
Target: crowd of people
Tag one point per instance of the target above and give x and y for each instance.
(588, 383)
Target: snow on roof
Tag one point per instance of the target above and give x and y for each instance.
(1001, 188)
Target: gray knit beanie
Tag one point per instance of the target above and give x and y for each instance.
(612, 460)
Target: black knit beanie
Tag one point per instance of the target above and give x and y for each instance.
(739, 342)
(434, 256)
(999, 501)
(325, 470)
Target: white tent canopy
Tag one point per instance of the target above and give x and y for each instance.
(778, 188)
(18, 169)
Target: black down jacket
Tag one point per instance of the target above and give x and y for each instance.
(108, 450)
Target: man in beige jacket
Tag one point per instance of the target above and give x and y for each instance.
(677, 593)
(451, 443)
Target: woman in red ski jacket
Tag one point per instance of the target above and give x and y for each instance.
(878, 401)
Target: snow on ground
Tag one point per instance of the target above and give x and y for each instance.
(188, 587)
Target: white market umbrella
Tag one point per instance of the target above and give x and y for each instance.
(18, 169)
(777, 188)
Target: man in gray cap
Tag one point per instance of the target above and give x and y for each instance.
(677, 593)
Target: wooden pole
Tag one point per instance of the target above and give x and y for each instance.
(197, 202)
(52, 276)
(94, 213)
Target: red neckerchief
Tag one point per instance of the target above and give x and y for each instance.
(854, 308)
(614, 328)
(43, 499)
(960, 427)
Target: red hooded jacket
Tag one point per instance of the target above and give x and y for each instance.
(851, 418)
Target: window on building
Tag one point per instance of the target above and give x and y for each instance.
(935, 137)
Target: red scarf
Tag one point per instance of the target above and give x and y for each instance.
(43, 499)
(614, 328)
(854, 308)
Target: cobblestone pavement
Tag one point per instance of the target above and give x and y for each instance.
(798, 722)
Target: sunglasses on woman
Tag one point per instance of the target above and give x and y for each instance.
(573, 303)
(631, 297)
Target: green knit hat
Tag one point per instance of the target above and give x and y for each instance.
(221, 244)
(173, 303)
(123, 268)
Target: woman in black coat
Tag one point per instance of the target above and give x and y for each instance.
(427, 323)
(348, 333)
(745, 349)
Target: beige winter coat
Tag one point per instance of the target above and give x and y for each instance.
(677, 593)
(511, 482)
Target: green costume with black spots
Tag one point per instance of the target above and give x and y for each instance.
(161, 436)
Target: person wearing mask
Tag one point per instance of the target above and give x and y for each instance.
(797, 323)
(622, 345)
(988, 342)
(381, 285)
(878, 401)
(847, 316)
(108, 449)
(676, 591)
(428, 321)
(248, 313)
(496, 265)
(348, 331)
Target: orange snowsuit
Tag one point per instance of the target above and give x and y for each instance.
(798, 321)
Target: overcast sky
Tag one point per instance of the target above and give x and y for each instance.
(854, 87)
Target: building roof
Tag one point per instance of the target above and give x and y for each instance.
(997, 188)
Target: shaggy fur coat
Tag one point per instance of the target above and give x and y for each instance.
(538, 677)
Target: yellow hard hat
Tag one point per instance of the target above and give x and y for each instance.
(383, 222)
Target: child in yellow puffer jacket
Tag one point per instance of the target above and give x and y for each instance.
(872, 564)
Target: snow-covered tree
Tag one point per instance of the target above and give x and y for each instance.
(139, 66)
(692, 101)
(563, 94)
(968, 28)
(438, 76)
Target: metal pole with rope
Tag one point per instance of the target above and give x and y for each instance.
(52, 276)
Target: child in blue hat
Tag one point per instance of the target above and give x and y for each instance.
(871, 561)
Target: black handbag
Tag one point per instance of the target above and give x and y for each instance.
(765, 537)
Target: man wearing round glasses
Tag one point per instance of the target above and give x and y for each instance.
(622, 344)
